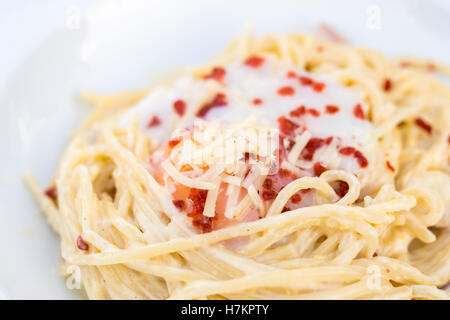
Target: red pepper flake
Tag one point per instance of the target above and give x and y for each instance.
(173, 142)
(387, 84)
(51, 192)
(180, 107)
(219, 100)
(318, 86)
(375, 254)
(179, 204)
(319, 168)
(291, 74)
(331, 108)
(362, 160)
(311, 147)
(286, 91)
(314, 112)
(347, 151)
(216, 73)
(358, 112)
(424, 125)
(306, 81)
(298, 112)
(257, 101)
(254, 61)
(287, 126)
(81, 244)
(341, 188)
(296, 198)
(390, 166)
(203, 223)
(154, 122)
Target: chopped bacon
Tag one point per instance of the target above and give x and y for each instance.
(219, 100)
(254, 61)
(198, 198)
(341, 188)
(331, 108)
(318, 86)
(390, 166)
(296, 198)
(311, 147)
(287, 126)
(306, 81)
(180, 107)
(328, 140)
(346, 151)
(205, 224)
(362, 160)
(286, 91)
(257, 101)
(424, 125)
(375, 254)
(358, 112)
(179, 204)
(274, 183)
(81, 244)
(314, 112)
(319, 168)
(291, 74)
(52, 193)
(216, 73)
(173, 142)
(154, 122)
(298, 112)
(387, 84)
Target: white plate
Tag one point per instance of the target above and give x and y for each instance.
(52, 49)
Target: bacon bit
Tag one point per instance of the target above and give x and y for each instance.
(81, 244)
(341, 189)
(257, 101)
(291, 74)
(306, 81)
(203, 223)
(387, 270)
(216, 73)
(387, 84)
(390, 166)
(314, 112)
(254, 61)
(180, 107)
(305, 191)
(318, 86)
(198, 198)
(296, 198)
(173, 142)
(268, 195)
(319, 168)
(362, 160)
(328, 140)
(311, 147)
(286, 91)
(347, 151)
(375, 255)
(424, 125)
(219, 100)
(52, 193)
(186, 167)
(287, 126)
(331, 108)
(298, 112)
(154, 122)
(358, 112)
(179, 204)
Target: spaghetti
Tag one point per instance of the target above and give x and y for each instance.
(286, 168)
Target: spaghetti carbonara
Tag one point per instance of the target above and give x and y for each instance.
(287, 168)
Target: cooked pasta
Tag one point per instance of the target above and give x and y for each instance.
(289, 167)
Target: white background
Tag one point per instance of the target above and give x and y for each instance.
(46, 57)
